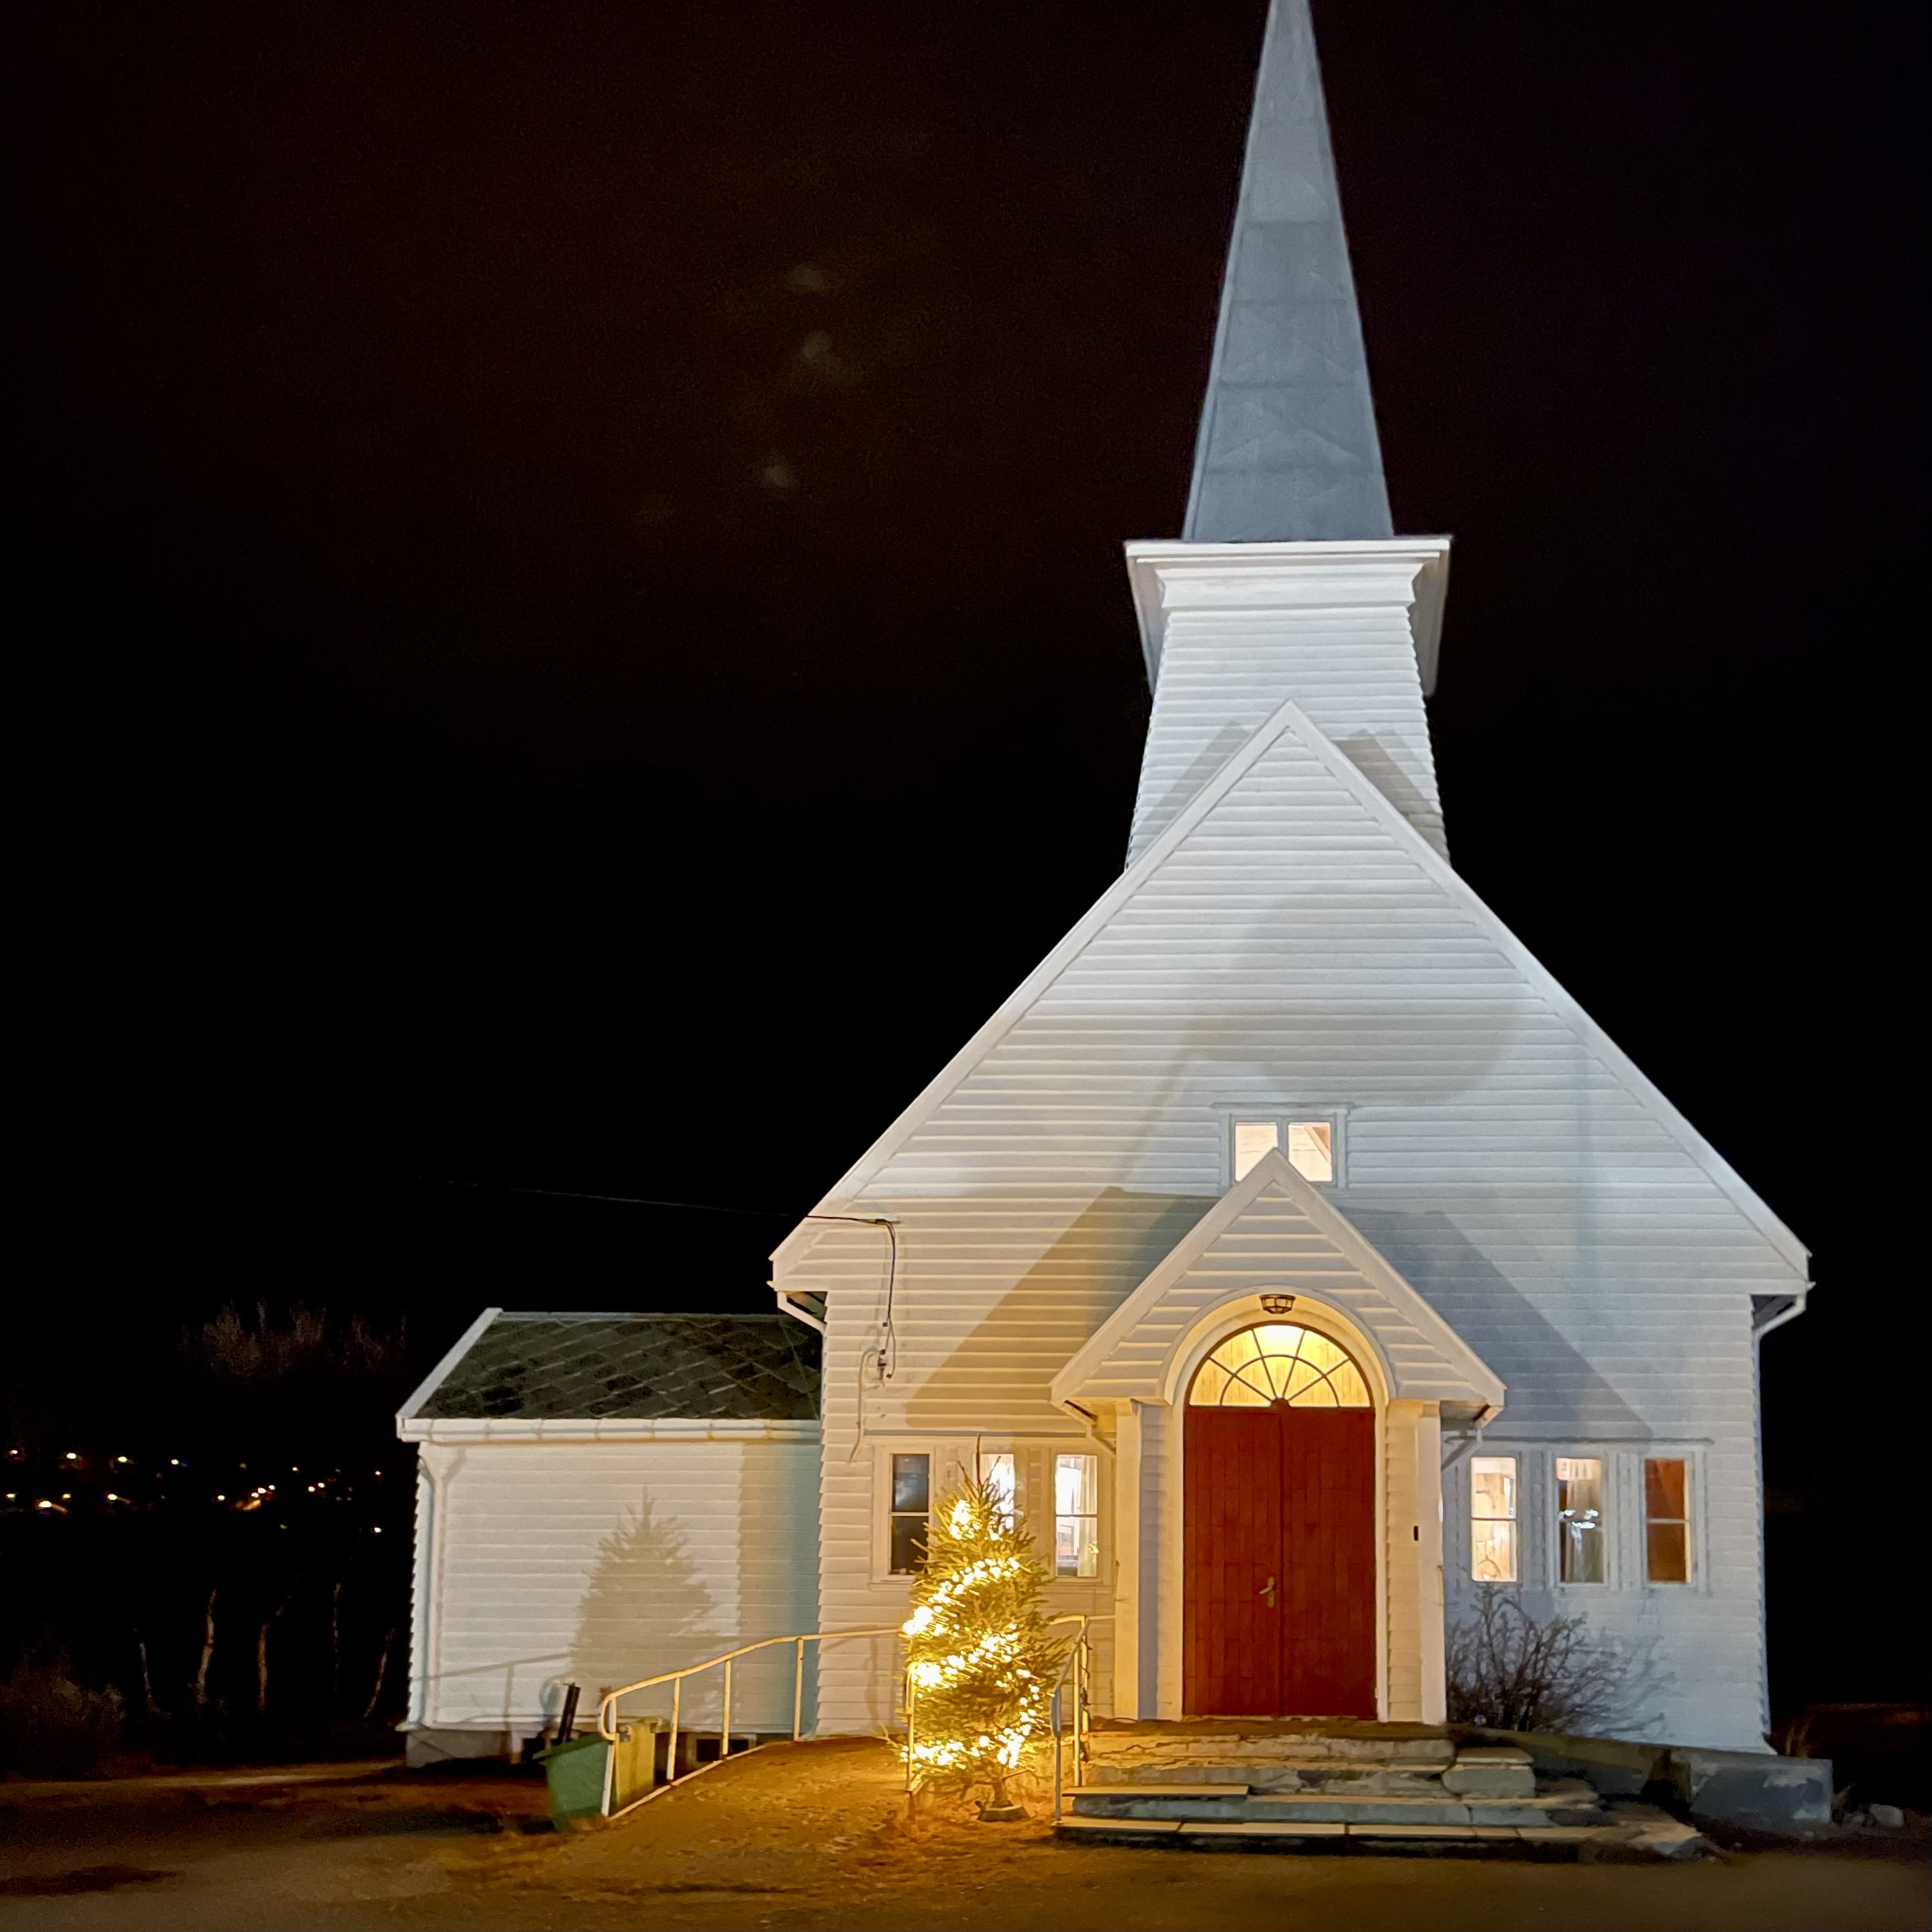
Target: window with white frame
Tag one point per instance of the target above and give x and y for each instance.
(1076, 1516)
(1309, 1143)
(911, 1513)
(1493, 1557)
(1581, 1547)
(1667, 1519)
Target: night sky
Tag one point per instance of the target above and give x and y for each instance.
(570, 631)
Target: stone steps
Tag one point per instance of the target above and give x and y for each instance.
(1289, 1788)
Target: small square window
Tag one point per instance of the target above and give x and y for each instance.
(1493, 1520)
(1579, 1519)
(1309, 1144)
(912, 1506)
(1667, 1519)
(1076, 1516)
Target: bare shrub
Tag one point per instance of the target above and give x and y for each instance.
(52, 1725)
(266, 1350)
(1509, 1671)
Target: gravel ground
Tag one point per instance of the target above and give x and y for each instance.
(808, 1836)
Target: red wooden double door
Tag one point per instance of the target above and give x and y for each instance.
(1280, 1588)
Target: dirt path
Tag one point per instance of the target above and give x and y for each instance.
(806, 1837)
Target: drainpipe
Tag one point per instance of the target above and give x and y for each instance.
(1091, 1423)
(1473, 1439)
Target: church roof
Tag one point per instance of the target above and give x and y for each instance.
(1287, 448)
(588, 1368)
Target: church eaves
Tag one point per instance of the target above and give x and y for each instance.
(1287, 449)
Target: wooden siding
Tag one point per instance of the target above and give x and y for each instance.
(1290, 936)
(600, 1562)
(1331, 627)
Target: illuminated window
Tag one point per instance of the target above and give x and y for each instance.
(1579, 1519)
(1278, 1366)
(997, 1473)
(1253, 1139)
(1492, 1523)
(912, 1503)
(1076, 1516)
(1309, 1145)
(1666, 1520)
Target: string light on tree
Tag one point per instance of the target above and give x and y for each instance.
(980, 1663)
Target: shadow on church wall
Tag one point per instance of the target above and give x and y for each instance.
(647, 1610)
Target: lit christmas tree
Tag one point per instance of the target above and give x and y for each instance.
(981, 1663)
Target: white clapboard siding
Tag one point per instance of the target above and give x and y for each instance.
(1244, 626)
(601, 1562)
(1291, 939)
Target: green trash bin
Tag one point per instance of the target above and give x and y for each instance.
(575, 1772)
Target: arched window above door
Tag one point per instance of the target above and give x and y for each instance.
(1279, 1366)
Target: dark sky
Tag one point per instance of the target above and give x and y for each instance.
(570, 628)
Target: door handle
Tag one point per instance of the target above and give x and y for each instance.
(1267, 1590)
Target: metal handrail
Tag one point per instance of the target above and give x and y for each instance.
(606, 1706)
(1079, 1660)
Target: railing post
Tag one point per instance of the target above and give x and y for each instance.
(671, 1756)
(1056, 1754)
(725, 1740)
(912, 1722)
(798, 1691)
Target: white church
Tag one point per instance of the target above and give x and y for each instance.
(1298, 1253)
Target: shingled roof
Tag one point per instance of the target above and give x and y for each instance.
(588, 1368)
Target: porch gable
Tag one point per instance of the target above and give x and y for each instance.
(1273, 1232)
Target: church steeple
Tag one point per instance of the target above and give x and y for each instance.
(1287, 449)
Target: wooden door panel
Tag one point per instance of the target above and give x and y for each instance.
(1328, 1562)
(1231, 1532)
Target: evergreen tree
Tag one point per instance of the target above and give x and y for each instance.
(981, 1661)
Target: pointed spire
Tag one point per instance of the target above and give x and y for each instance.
(1287, 448)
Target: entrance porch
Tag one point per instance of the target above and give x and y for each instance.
(1279, 1395)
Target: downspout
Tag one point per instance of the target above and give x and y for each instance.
(1473, 1439)
(1790, 1312)
(1092, 1424)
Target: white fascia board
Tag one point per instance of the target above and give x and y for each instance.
(624, 1429)
(1290, 719)
(440, 1373)
(1283, 576)
(1274, 1172)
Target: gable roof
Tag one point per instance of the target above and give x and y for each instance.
(589, 1368)
(1273, 1227)
(1290, 724)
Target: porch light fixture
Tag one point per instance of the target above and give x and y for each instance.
(1277, 1304)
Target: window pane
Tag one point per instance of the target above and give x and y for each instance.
(1493, 1552)
(1492, 1532)
(908, 1544)
(911, 1482)
(1311, 1149)
(997, 1473)
(1580, 1518)
(1666, 1539)
(1666, 1553)
(1253, 1139)
(1076, 1546)
(1664, 1489)
(1075, 1489)
(1492, 1487)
